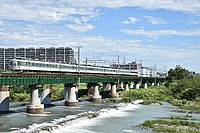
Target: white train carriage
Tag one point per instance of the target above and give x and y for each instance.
(31, 65)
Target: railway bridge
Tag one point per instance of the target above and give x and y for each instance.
(71, 83)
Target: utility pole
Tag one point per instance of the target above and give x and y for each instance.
(165, 71)
(4, 59)
(55, 55)
(118, 67)
(155, 70)
(64, 55)
(79, 78)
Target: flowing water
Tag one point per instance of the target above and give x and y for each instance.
(108, 118)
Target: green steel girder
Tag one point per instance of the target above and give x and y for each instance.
(130, 79)
(55, 80)
(153, 79)
(32, 80)
(108, 80)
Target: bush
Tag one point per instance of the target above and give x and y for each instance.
(126, 100)
(186, 88)
(19, 97)
(190, 93)
(57, 92)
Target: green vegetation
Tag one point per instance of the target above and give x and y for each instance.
(181, 89)
(19, 93)
(57, 92)
(173, 126)
(152, 95)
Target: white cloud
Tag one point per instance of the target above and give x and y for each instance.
(1, 23)
(155, 21)
(131, 20)
(192, 6)
(46, 11)
(159, 33)
(41, 12)
(80, 27)
(195, 22)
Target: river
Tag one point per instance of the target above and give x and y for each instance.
(108, 118)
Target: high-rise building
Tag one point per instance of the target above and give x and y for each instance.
(52, 54)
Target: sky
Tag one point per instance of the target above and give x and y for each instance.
(161, 33)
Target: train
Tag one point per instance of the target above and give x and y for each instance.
(21, 64)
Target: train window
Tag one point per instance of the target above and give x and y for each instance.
(81, 68)
(13, 63)
(22, 63)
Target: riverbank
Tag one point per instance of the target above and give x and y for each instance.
(158, 94)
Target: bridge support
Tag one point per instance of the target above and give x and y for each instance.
(126, 87)
(120, 86)
(70, 95)
(4, 98)
(158, 84)
(152, 84)
(113, 90)
(46, 94)
(137, 86)
(106, 86)
(145, 85)
(96, 98)
(35, 106)
(131, 85)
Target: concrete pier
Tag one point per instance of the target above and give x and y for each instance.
(145, 85)
(46, 95)
(113, 90)
(70, 94)
(35, 106)
(120, 86)
(131, 85)
(137, 86)
(95, 93)
(4, 98)
(126, 87)
(106, 86)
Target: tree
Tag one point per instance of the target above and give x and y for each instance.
(177, 73)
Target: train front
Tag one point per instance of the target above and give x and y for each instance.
(13, 65)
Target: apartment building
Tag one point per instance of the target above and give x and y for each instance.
(51, 54)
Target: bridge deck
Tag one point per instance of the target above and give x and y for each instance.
(31, 79)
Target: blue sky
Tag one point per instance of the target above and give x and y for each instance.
(161, 32)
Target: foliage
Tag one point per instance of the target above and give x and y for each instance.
(177, 73)
(126, 100)
(172, 126)
(19, 97)
(57, 92)
(19, 93)
(20, 89)
(186, 88)
(155, 93)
